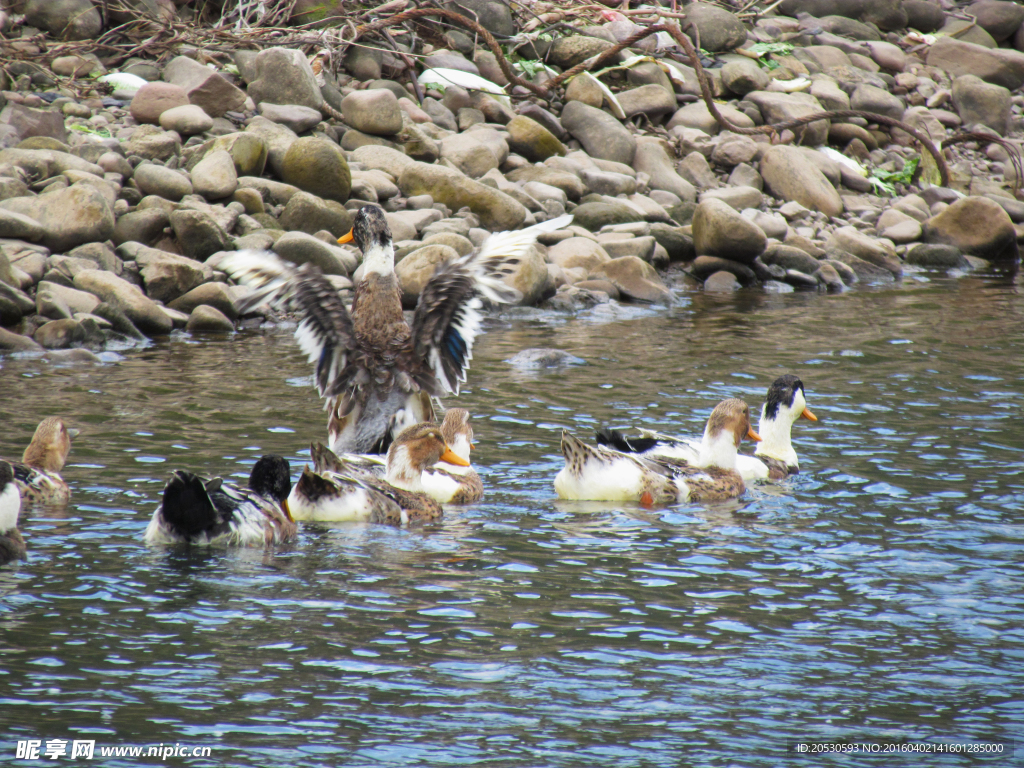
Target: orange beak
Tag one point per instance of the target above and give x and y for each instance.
(806, 413)
(453, 458)
(753, 435)
(346, 238)
(287, 512)
(471, 446)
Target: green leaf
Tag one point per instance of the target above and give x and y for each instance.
(783, 49)
(101, 132)
(887, 180)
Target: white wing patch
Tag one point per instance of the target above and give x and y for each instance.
(506, 246)
(440, 486)
(263, 271)
(10, 506)
(468, 323)
(353, 503)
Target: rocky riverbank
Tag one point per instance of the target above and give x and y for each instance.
(114, 191)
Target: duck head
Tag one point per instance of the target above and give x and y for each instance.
(728, 424)
(419, 447)
(783, 406)
(50, 445)
(271, 479)
(458, 433)
(372, 235)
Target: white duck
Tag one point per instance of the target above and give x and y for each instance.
(602, 474)
(773, 459)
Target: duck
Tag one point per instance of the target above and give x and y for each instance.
(377, 372)
(599, 473)
(340, 489)
(12, 545)
(38, 473)
(458, 434)
(447, 483)
(774, 458)
(195, 510)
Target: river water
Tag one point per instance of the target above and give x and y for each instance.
(878, 597)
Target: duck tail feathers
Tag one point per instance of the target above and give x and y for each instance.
(187, 506)
(324, 459)
(615, 439)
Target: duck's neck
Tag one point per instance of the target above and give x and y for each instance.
(379, 259)
(46, 458)
(460, 445)
(402, 472)
(717, 450)
(775, 442)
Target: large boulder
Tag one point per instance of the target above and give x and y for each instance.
(743, 76)
(997, 17)
(68, 217)
(493, 15)
(652, 100)
(198, 233)
(977, 226)
(497, 211)
(284, 76)
(652, 157)
(248, 151)
(635, 279)
(311, 214)
(205, 87)
(277, 140)
(471, 153)
(153, 99)
(877, 252)
(790, 175)
(166, 276)
(578, 252)
(601, 135)
(143, 312)
(924, 15)
(780, 107)
(28, 122)
(216, 295)
(979, 102)
(416, 269)
(215, 177)
(153, 179)
(64, 19)
(374, 111)
(999, 66)
(719, 30)
(188, 120)
(317, 165)
(301, 248)
(532, 140)
(720, 230)
(567, 52)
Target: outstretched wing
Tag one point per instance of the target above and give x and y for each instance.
(264, 271)
(324, 332)
(448, 319)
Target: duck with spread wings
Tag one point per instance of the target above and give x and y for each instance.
(377, 372)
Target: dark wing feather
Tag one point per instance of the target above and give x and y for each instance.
(325, 331)
(446, 323)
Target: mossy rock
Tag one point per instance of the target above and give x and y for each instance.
(318, 166)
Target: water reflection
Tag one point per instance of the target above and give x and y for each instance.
(877, 594)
